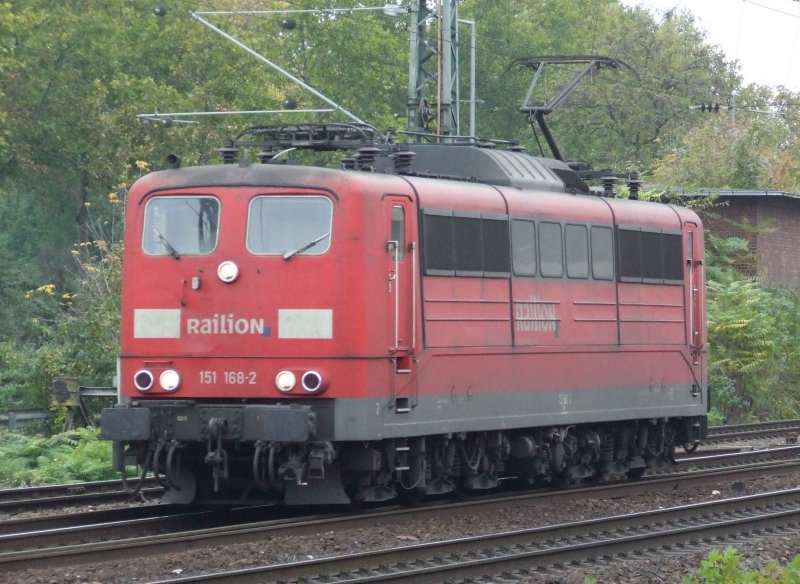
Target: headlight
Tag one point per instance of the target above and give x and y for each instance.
(285, 381)
(312, 381)
(228, 271)
(143, 380)
(170, 380)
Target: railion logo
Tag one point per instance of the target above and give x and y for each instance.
(227, 324)
(536, 316)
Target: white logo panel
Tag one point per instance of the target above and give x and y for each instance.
(157, 323)
(305, 323)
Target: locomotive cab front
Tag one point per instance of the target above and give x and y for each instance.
(246, 321)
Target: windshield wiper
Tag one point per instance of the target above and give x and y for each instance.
(172, 251)
(303, 248)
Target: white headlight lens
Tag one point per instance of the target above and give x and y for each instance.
(228, 271)
(285, 381)
(170, 380)
(143, 380)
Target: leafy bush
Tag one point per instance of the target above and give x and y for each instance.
(77, 333)
(723, 567)
(78, 455)
(753, 363)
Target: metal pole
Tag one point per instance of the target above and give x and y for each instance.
(417, 76)
(472, 68)
(283, 72)
(439, 66)
(449, 55)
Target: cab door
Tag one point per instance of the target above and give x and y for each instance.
(401, 290)
(696, 290)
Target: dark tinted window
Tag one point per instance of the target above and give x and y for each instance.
(577, 248)
(652, 268)
(630, 254)
(496, 246)
(650, 256)
(523, 241)
(469, 246)
(673, 257)
(602, 254)
(439, 248)
(551, 260)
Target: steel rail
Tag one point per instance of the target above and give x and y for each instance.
(763, 433)
(736, 428)
(63, 520)
(75, 493)
(535, 548)
(699, 461)
(230, 534)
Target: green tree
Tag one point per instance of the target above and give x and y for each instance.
(615, 118)
(74, 76)
(753, 364)
(752, 144)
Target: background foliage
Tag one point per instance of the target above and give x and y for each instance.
(72, 456)
(724, 567)
(74, 76)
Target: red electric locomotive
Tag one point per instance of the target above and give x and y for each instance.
(424, 319)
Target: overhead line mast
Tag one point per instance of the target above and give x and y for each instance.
(419, 111)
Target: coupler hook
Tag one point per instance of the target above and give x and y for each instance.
(136, 490)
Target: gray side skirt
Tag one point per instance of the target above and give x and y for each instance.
(365, 419)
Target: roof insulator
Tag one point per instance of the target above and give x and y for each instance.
(348, 163)
(365, 158)
(266, 155)
(403, 161)
(634, 184)
(228, 152)
(608, 186)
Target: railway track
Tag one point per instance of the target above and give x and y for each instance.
(170, 532)
(529, 552)
(48, 496)
(89, 493)
(786, 429)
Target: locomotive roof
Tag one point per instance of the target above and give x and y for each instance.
(453, 162)
(495, 167)
(474, 161)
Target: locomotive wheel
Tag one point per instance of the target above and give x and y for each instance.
(690, 447)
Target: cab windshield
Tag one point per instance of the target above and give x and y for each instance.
(289, 226)
(180, 226)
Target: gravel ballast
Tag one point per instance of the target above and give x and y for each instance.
(669, 567)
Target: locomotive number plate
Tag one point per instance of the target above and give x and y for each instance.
(228, 377)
